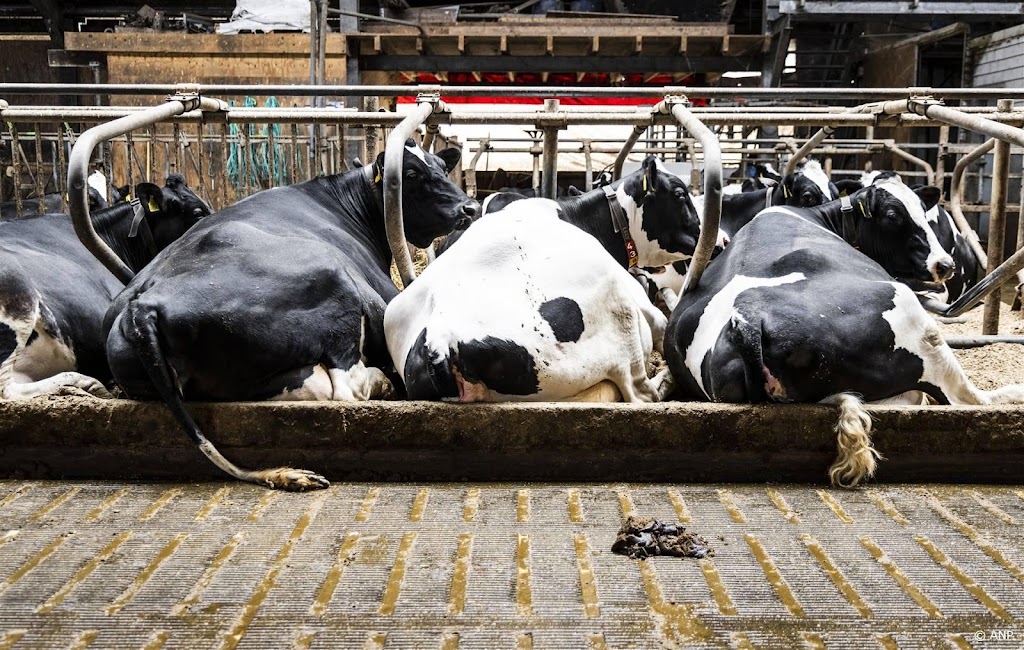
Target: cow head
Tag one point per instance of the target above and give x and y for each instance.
(170, 210)
(808, 186)
(662, 218)
(893, 230)
(432, 205)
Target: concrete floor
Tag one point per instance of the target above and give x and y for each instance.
(382, 565)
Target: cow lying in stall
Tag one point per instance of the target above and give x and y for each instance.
(535, 302)
(793, 312)
(54, 293)
(806, 187)
(968, 270)
(279, 296)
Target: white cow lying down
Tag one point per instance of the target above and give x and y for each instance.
(525, 307)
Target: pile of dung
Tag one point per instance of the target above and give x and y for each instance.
(641, 538)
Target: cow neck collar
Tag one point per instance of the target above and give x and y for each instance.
(621, 224)
(849, 221)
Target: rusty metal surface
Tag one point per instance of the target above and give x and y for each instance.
(215, 565)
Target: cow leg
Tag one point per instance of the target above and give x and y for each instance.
(856, 459)
(34, 361)
(909, 398)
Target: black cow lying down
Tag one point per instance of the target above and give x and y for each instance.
(791, 312)
(54, 293)
(279, 296)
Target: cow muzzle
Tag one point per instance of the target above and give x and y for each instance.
(468, 212)
(942, 268)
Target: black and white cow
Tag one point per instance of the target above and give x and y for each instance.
(54, 293)
(792, 312)
(806, 187)
(968, 270)
(535, 302)
(279, 296)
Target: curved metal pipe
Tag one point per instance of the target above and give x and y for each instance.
(394, 152)
(956, 197)
(78, 170)
(428, 138)
(712, 190)
(627, 146)
(977, 293)
(909, 157)
(807, 148)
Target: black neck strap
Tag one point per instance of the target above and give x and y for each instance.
(621, 225)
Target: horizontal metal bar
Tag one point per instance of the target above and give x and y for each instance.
(292, 90)
(546, 63)
(535, 118)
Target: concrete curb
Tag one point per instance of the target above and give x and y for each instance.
(70, 437)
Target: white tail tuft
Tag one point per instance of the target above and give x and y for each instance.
(856, 459)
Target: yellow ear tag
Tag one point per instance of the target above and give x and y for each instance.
(376, 179)
(645, 182)
(153, 207)
(785, 191)
(861, 206)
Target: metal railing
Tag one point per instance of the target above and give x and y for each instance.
(208, 119)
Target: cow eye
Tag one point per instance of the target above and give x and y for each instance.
(680, 193)
(411, 175)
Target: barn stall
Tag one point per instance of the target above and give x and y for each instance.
(417, 544)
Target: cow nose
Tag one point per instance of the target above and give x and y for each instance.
(944, 269)
(470, 209)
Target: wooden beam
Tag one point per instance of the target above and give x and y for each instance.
(574, 64)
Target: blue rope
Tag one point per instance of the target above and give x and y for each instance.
(251, 165)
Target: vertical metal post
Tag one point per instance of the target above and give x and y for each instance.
(371, 133)
(549, 189)
(40, 179)
(997, 222)
(535, 151)
(588, 162)
(940, 159)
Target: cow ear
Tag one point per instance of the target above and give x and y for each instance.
(573, 191)
(847, 187)
(151, 196)
(767, 181)
(650, 169)
(929, 196)
(787, 185)
(450, 156)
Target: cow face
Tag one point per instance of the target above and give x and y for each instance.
(808, 186)
(662, 219)
(170, 210)
(432, 205)
(895, 232)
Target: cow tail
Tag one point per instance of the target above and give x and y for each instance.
(856, 459)
(141, 334)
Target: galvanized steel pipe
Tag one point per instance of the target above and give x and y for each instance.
(997, 223)
(394, 152)
(929, 171)
(956, 197)
(78, 170)
(293, 90)
(807, 148)
(627, 146)
(712, 189)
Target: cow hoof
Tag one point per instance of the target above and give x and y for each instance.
(293, 480)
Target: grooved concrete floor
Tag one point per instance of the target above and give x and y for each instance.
(113, 565)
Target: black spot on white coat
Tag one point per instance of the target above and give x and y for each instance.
(565, 318)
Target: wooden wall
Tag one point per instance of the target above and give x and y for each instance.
(220, 153)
